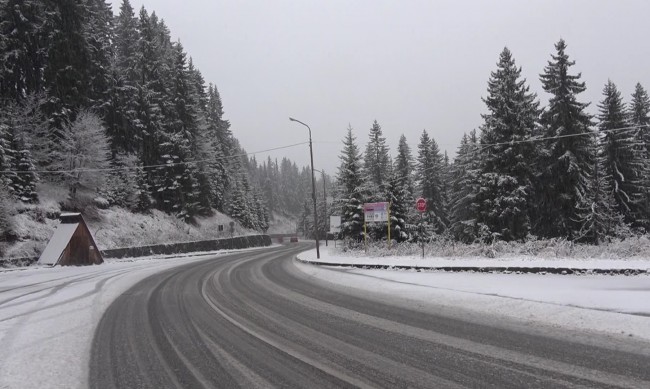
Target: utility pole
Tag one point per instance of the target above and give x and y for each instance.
(313, 185)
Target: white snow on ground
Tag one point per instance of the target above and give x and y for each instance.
(614, 305)
(48, 317)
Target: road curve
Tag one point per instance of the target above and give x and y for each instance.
(253, 320)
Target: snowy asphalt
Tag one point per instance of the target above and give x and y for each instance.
(254, 320)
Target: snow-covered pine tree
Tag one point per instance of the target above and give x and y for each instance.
(597, 214)
(465, 186)
(623, 160)
(401, 202)
(270, 186)
(220, 142)
(67, 72)
(5, 154)
(565, 170)
(351, 186)
(639, 115)
(377, 163)
(23, 46)
(22, 180)
(179, 192)
(404, 165)
(261, 212)
(402, 187)
(148, 112)
(506, 174)
(429, 169)
(121, 186)
(123, 90)
(98, 34)
(7, 226)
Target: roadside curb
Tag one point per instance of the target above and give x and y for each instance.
(487, 269)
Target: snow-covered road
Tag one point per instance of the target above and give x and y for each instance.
(48, 317)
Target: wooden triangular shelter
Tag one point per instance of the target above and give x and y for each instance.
(71, 244)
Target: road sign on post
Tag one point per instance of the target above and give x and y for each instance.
(421, 204)
(375, 212)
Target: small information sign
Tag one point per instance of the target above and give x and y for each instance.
(375, 212)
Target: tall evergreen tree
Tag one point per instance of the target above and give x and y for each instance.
(24, 47)
(429, 169)
(350, 181)
(377, 163)
(598, 217)
(623, 162)
(507, 175)
(404, 166)
(21, 179)
(98, 35)
(219, 137)
(639, 115)
(125, 77)
(465, 187)
(566, 168)
(67, 74)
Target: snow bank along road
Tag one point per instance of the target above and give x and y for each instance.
(255, 320)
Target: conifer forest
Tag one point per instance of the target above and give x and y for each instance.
(111, 108)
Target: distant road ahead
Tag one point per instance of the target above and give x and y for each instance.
(253, 320)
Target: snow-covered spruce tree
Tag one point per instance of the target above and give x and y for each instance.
(67, 71)
(376, 162)
(465, 186)
(21, 179)
(98, 34)
(125, 75)
(404, 166)
(152, 103)
(350, 183)
(639, 115)
(23, 46)
(261, 212)
(121, 186)
(429, 169)
(5, 154)
(506, 173)
(270, 186)
(597, 214)
(400, 203)
(565, 169)
(220, 146)
(84, 146)
(15, 154)
(7, 227)
(179, 191)
(623, 160)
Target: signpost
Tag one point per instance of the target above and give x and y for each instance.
(421, 206)
(375, 213)
(335, 227)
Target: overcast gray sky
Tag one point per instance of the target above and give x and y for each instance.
(409, 64)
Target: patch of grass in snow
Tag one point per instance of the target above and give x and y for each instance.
(634, 247)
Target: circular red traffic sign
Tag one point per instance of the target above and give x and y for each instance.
(421, 204)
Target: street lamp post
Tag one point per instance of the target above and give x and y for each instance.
(313, 186)
(324, 203)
